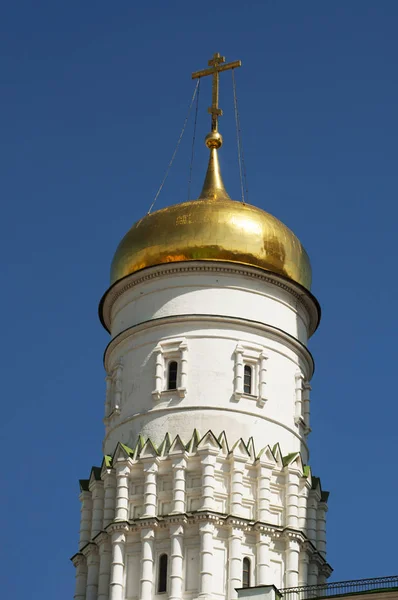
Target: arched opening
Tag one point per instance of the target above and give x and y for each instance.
(172, 375)
(247, 379)
(162, 573)
(246, 572)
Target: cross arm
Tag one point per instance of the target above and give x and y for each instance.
(217, 69)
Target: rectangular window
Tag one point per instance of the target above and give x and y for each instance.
(247, 381)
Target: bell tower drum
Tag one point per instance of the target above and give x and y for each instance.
(205, 484)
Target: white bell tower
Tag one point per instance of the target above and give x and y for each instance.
(205, 484)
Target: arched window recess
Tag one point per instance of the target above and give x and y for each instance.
(172, 374)
(162, 574)
(248, 380)
(246, 572)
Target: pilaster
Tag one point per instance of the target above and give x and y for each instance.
(147, 563)
(80, 562)
(97, 494)
(105, 553)
(208, 461)
(109, 479)
(237, 471)
(302, 506)
(304, 561)
(151, 468)
(206, 532)
(321, 528)
(235, 561)
(292, 497)
(313, 571)
(118, 536)
(292, 562)
(85, 518)
(122, 492)
(176, 561)
(91, 552)
(262, 555)
(179, 466)
(312, 517)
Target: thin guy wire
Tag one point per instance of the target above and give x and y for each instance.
(241, 158)
(175, 151)
(193, 141)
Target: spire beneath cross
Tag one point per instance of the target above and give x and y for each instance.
(213, 187)
(217, 65)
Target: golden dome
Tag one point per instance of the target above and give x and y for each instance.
(216, 228)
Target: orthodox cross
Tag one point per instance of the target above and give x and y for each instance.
(216, 65)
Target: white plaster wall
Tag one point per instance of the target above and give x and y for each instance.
(216, 293)
(209, 402)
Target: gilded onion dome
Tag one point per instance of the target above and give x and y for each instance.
(213, 227)
(216, 228)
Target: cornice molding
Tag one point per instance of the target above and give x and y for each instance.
(223, 520)
(302, 295)
(272, 331)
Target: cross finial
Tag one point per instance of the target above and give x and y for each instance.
(216, 64)
(213, 187)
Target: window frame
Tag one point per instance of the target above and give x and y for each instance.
(166, 352)
(255, 357)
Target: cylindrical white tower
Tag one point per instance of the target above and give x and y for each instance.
(236, 335)
(205, 485)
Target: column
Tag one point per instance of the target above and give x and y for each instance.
(235, 562)
(303, 567)
(237, 489)
(321, 528)
(81, 576)
(108, 400)
(92, 573)
(306, 402)
(302, 508)
(298, 412)
(176, 562)
(109, 479)
(184, 369)
(118, 386)
(208, 481)
(206, 531)
(293, 481)
(263, 544)
(150, 488)
(97, 491)
(263, 379)
(122, 492)
(105, 552)
(85, 518)
(322, 578)
(179, 498)
(238, 372)
(159, 373)
(311, 518)
(147, 560)
(292, 563)
(264, 493)
(117, 566)
(313, 571)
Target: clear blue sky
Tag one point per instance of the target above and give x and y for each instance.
(93, 96)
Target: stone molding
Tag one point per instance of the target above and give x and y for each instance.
(273, 332)
(303, 296)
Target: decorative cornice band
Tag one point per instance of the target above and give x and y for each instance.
(308, 301)
(265, 327)
(220, 520)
